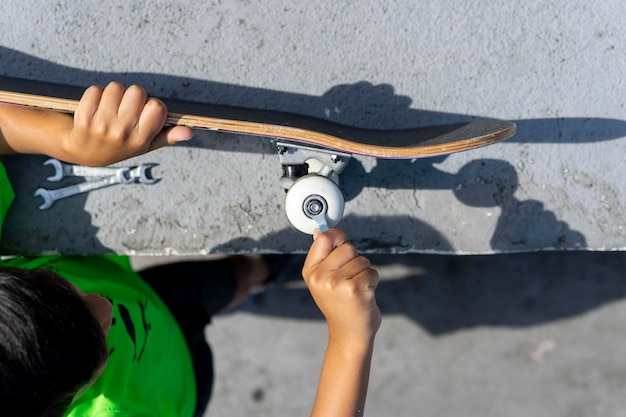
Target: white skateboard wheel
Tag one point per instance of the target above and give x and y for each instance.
(313, 188)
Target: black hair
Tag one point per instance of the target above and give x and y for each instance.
(50, 343)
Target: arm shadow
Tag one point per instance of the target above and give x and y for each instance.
(446, 294)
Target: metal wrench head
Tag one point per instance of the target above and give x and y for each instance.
(47, 198)
(125, 176)
(58, 169)
(143, 173)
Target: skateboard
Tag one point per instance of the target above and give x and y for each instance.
(312, 151)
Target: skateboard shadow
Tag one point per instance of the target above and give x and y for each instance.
(365, 105)
(445, 294)
(362, 104)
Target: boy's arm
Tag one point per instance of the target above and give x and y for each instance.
(343, 285)
(110, 124)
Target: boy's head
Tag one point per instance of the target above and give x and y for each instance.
(52, 342)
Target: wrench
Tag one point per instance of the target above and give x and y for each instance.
(142, 174)
(62, 170)
(123, 176)
(50, 196)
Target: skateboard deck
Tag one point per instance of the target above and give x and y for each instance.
(312, 151)
(393, 144)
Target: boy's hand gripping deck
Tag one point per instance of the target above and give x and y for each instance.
(312, 151)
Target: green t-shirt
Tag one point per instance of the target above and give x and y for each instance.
(150, 372)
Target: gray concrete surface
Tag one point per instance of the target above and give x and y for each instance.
(534, 334)
(555, 68)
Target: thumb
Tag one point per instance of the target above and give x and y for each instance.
(323, 245)
(170, 136)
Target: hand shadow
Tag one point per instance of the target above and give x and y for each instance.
(522, 224)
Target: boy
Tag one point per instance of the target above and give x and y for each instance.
(87, 336)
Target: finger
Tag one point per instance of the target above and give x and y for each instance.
(151, 121)
(369, 278)
(132, 104)
(340, 256)
(171, 136)
(353, 268)
(88, 105)
(110, 101)
(323, 246)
